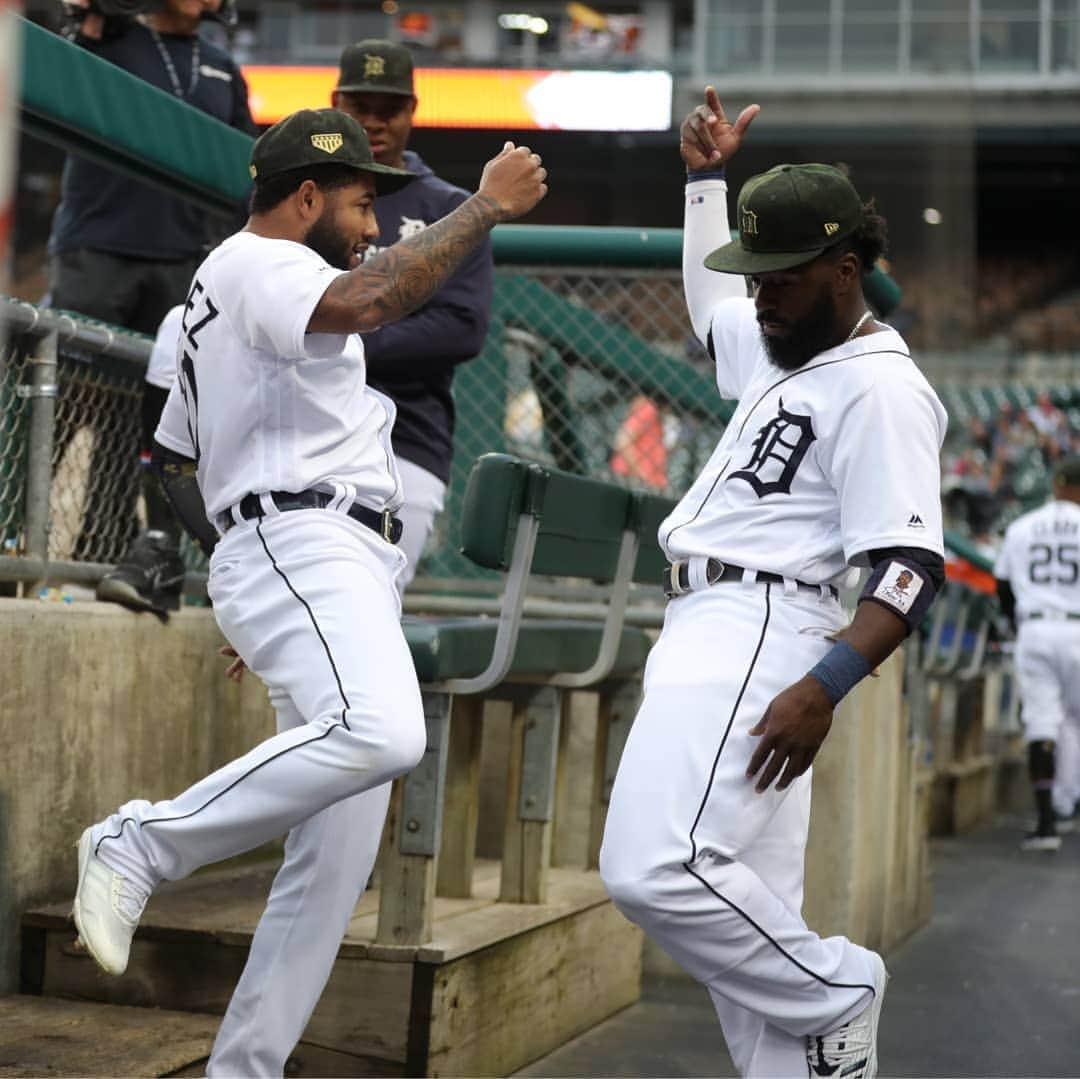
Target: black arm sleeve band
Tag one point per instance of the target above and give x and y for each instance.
(904, 580)
(1007, 601)
(177, 475)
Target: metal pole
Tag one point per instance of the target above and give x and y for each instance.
(42, 393)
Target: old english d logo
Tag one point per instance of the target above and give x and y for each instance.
(748, 223)
(374, 66)
(778, 451)
(327, 143)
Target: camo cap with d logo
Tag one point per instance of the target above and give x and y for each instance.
(313, 137)
(374, 66)
(788, 216)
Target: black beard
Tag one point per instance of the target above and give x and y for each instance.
(325, 239)
(812, 334)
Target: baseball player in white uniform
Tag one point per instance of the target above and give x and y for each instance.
(830, 461)
(295, 467)
(1038, 578)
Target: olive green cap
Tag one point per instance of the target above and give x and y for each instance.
(321, 137)
(374, 66)
(788, 216)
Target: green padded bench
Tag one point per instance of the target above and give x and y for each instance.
(524, 520)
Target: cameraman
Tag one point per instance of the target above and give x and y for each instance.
(124, 252)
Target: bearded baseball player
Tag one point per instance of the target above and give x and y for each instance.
(296, 470)
(829, 462)
(1038, 572)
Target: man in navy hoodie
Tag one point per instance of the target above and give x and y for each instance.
(412, 360)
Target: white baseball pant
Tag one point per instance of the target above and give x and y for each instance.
(1048, 676)
(710, 869)
(424, 495)
(308, 600)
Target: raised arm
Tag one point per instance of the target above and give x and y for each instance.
(408, 273)
(707, 141)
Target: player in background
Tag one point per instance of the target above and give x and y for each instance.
(1038, 582)
(294, 464)
(830, 461)
(412, 360)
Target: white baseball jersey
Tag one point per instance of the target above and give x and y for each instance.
(161, 369)
(1040, 558)
(817, 466)
(260, 403)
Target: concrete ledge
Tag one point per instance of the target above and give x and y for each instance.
(99, 705)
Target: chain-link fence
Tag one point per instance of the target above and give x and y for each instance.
(75, 471)
(593, 370)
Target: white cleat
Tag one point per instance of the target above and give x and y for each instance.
(1043, 841)
(107, 909)
(850, 1051)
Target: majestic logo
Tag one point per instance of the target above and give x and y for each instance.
(778, 451)
(915, 521)
(329, 144)
(832, 228)
(410, 226)
(374, 66)
(748, 223)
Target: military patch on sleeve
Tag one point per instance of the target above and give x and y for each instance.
(899, 587)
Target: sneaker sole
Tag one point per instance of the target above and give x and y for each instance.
(881, 980)
(113, 591)
(84, 845)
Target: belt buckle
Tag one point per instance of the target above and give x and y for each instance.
(389, 527)
(670, 579)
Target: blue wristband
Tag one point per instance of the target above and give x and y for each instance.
(840, 670)
(702, 174)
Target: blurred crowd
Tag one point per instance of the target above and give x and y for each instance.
(992, 472)
(1032, 302)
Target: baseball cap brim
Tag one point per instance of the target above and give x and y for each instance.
(734, 258)
(373, 88)
(387, 179)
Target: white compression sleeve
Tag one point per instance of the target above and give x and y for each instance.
(705, 228)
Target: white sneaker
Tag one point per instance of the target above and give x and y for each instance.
(107, 909)
(1043, 841)
(850, 1051)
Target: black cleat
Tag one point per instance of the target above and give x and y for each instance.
(150, 576)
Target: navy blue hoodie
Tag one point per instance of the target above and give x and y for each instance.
(412, 360)
(105, 210)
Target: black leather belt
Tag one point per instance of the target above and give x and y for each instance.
(1070, 616)
(386, 524)
(677, 577)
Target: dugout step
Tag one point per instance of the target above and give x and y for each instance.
(499, 985)
(46, 1036)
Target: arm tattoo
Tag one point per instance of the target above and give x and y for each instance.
(405, 276)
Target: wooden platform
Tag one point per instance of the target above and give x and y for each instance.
(44, 1036)
(499, 985)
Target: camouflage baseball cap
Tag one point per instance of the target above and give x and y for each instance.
(321, 137)
(374, 66)
(788, 216)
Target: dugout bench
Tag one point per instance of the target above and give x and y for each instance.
(452, 965)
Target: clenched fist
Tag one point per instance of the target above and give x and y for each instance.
(514, 180)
